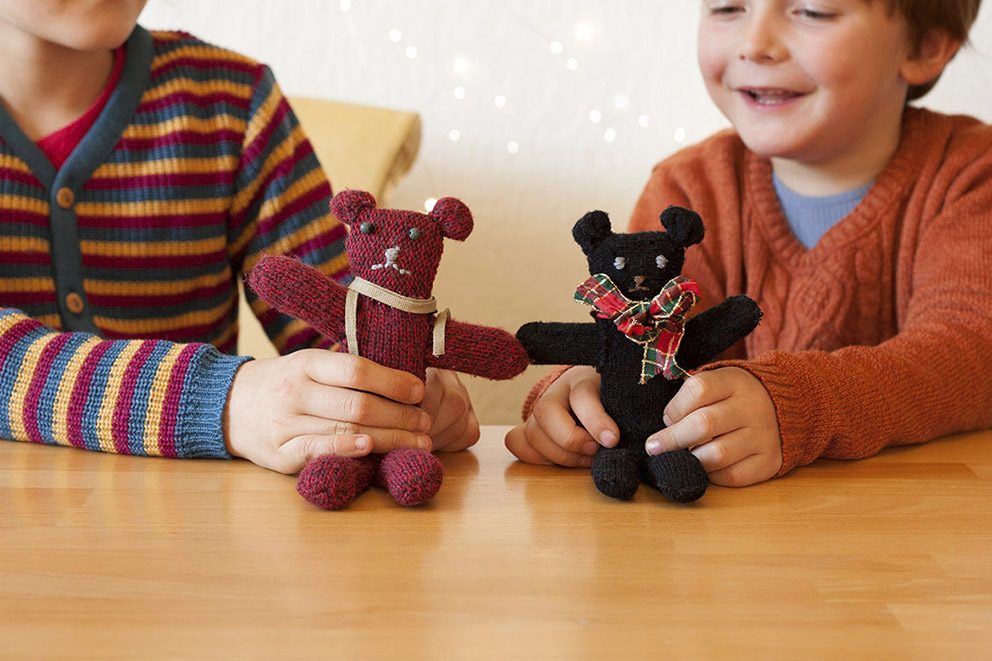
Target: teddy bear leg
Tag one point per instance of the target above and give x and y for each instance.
(615, 472)
(331, 482)
(410, 476)
(678, 475)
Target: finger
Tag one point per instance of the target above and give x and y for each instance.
(557, 424)
(435, 391)
(383, 439)
(338, 403)
(700, 426)
(723, 451)
(696, 392)
(347, 371)
(552, 448)
(454, 403)
(750, 470)
(292, 456)
(587, 405)
(516, 442)
(462, 436)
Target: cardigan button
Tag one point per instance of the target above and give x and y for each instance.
(74, 303)
(65, 197)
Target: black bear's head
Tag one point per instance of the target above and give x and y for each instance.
(639, 264)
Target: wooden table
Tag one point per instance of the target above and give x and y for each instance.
(118, 557)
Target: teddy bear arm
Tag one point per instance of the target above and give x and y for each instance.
(715, 330)
(480, 350)
(301, 291)
(558, 343)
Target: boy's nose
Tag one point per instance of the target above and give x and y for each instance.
(760, 42)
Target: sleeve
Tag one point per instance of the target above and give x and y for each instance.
(140, 397)
(929, 380)
(281, 206)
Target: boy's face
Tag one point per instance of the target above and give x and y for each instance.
(75, 24)
(805, 80)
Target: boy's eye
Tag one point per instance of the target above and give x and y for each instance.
(619, 263)
(414, 233)
(814, 13)
(724, 9)
(661, 261)
(366, 228)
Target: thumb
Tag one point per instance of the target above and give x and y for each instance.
(299, 451)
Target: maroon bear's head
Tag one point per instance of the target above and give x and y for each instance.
(395, 249)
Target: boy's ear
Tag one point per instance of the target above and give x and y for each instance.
(928, 61)
(591, 229)
(348, 205)
(454, 218)
(682, 225)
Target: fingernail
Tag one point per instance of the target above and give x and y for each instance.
(361, 443)
(608, 439)
(653, 446)
(666, 420)
(425, 422)
(424, 442)
(590, 447)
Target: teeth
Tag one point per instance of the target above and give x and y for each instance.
(769, 97)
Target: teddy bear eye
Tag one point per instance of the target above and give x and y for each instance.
(414, 233)
(661, 261)
(367, 228)
(619, 263)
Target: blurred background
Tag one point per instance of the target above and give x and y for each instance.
(534, 112)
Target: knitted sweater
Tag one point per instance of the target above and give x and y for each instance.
(195, 167)
(879, 335)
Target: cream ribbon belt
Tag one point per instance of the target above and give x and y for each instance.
(363, 287)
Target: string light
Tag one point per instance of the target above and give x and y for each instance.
(454, 135)
(513, 146)
(595, 116)
(584, 32)
(499, 101)
(429, 204)
(458, 93)
(620, 102)
(461, 65)
(679, 135)
(411, 52)
(644, 121)
(572, 64)
(395, 36)
(345, 5)
(610, 134)
(556, 47)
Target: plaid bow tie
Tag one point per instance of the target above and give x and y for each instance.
(658, 324)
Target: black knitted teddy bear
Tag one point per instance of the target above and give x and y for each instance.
(641, 344)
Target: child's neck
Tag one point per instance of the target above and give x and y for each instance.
(45, 86)
(845, 172)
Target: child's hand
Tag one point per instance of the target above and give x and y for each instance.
(448, 403)
(551, 434)
(283, 412)
(726, 418)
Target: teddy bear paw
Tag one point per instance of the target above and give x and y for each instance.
(678, 475)
(331, 482)
(410, 476)
(615, 473)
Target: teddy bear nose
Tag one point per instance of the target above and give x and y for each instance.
(638, 279)
(392, 253)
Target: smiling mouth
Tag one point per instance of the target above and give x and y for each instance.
(769, 96)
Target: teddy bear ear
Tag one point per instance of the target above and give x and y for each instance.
(454, 218)
(683, 225)
(591, 229)
(350, 204)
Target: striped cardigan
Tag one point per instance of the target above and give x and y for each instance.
(195, 167)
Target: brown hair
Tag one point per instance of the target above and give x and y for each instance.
(954, 17)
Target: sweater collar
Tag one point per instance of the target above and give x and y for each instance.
(886, 191)
(106, 131)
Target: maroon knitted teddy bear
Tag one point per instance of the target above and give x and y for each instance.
(387, 314)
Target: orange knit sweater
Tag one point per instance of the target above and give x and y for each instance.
(879, 335)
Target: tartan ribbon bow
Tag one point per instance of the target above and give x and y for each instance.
(657, 324)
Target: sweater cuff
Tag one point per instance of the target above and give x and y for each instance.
(199, 429)
(539, 389)
(792, 411)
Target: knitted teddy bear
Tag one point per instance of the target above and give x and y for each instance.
(641, 344)
(386, 314)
